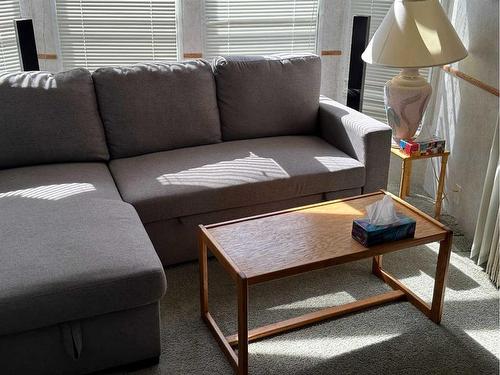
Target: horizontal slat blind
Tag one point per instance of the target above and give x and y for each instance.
(376, 76)
(249, 27)
(96, 33)
(9, 56)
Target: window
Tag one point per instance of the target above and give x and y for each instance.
(249, 27)
(96, 33)
(376, 76)
(9, 57)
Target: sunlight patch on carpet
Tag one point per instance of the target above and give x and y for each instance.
(318, 302)
(326, 347)
(487, 338)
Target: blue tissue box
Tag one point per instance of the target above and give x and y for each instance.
(368, 234)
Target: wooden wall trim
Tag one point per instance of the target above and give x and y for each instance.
(331, 53)
(470, 79)
(198, 55)
(47, 56)
(193, 55)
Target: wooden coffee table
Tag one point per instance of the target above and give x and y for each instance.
(279, 244)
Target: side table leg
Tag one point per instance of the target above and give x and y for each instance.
(440, 278)
(203, 260)
(404, 178)
(408, 176)
(439, 195)
(242, 326)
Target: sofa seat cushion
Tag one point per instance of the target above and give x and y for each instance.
(55, 182)
(265, 96)
(64, 260)
(157, 106)
(49, 118)
(233, 174)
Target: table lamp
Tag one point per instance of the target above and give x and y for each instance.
(414, 34)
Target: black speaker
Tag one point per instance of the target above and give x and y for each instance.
(26, 44)
(357, 67)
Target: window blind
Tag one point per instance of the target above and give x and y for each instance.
(249, 27)
(9, 56)
(96, 33)
(376, 76)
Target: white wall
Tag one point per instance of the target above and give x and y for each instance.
(333, 34)
(43, 13)
(464, 114)
(190, 19)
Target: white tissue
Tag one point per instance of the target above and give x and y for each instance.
(382, 212)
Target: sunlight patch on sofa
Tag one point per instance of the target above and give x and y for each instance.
(34, 80)
(249, 169)
(334, 163)
(51, 192)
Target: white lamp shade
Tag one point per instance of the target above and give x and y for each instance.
(415, 34)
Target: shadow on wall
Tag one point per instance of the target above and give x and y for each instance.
(464, 114)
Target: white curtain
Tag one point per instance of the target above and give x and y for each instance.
(486, 244)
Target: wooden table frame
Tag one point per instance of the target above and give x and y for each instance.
(241, 339)
(406, 166)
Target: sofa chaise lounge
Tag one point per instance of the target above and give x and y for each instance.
(97, 171)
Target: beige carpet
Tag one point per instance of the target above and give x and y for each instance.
(393, 339)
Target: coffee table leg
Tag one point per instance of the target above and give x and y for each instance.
(435, 310)
(203, 278)
(242, 326)
(440, 278)
(377, 265)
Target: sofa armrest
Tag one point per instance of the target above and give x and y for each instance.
(360, 137)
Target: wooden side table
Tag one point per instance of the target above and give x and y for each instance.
(404, 187)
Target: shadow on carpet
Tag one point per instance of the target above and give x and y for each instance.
(392, 339)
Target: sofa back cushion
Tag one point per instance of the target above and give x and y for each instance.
(49, 118)
(263, 96)
(154, 107)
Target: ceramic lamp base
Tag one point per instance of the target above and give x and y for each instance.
(406, 97)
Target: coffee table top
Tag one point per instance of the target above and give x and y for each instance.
(289, 242)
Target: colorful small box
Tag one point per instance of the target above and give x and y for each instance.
(424, 147)
(368, 234)
(409, 147)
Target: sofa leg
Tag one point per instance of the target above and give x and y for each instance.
(142, 363)
(151, 361)
(134, 366)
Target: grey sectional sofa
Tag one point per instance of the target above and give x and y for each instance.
(97, 171)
